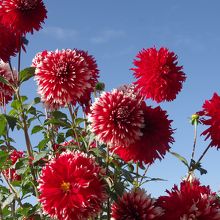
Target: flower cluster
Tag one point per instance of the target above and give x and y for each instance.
(77, 193)
(65, 77)
(191, 201)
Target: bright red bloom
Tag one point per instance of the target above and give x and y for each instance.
(158, 75)
(191, 201)
(8, 43)
(6, 92)
(77, 193)
(155, 141)
(135, 205)
(10, 173)
(116, 117)
(64, 76)
(211, 118)
(22, 16)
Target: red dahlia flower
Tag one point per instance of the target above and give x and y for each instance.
(10, 173)
(64, 76)
(135, 205)
(158, 75)
(22, 16)
(116, 117)
(6, 92)
(77, 193)
(191, 201)
(8, 43)
(211, 118)
(155, 141)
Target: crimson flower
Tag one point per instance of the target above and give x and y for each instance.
(6, 92)
(22, 16)
(135, 205)
(64, 76)
(77, 193)
(116, 117)
(11, 173)
(211, 118)
(191, 201)
(8, 43)
(157, 74)
(155, 140)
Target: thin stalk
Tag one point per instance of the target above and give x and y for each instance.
(73, 117)
(137, 174)
(1, 213)
(203, 154)
(142, 178)
(107, 171)
(194, 141)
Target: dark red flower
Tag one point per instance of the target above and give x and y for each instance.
(11, 173)
(6, 91)
(116, 117)
(155, 141)
(135, 205)
(64, 76)
(191, 201)
(22, 16)
(158, 75)
(211, 117)
(71, 187)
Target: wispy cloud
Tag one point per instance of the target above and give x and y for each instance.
(61, 33)
(107, 35)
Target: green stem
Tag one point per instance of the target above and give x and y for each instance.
(142, 178)
(137, 174)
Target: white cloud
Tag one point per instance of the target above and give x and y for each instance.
(61, 33)
(107, 35)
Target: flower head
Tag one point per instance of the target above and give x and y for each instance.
(135, 205)
(8, 43)
(64, 76)
(191, 201)
(158, 75)
(155, 141)
(11, 173)
(77, 193)
(211, 117)
(6, 92)
(22, 16)
(116, 117)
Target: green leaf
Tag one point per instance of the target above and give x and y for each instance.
(59, 115)
(3, 158)
(39, 156)
(12, 121)
(26, 74)
(43, 143)
(16, 104)
(3, 123)
(8, 200)
(181, 158)
(5, 81)
(36, 129)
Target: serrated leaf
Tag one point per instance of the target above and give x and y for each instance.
(8, 201)
(43, 143)
(26, 74)
(3, 123)
(181, 158)
(36, 129)
(12, 121)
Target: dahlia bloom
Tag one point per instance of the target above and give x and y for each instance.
(135, 205)
(116, 117)
(10, 173)
(155, 140)
(22, 16)
(157, 74)
(6, 92)
(8, 43)
(77, 193)
(211, 118)
(64, 76)
(191, 201)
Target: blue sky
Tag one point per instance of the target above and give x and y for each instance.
(114, 31)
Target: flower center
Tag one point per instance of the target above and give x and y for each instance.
(65, 186)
